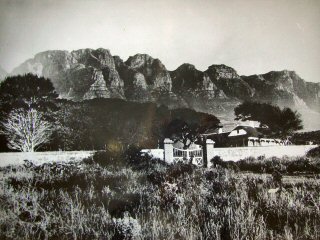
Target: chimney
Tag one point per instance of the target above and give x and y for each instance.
(220, 130)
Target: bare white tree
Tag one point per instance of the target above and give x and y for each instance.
(26, 130)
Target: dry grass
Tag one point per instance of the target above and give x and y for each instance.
(139, 200)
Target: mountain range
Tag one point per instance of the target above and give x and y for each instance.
(88, 73)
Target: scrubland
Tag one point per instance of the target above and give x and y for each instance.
(128, 196)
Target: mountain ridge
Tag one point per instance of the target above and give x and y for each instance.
(93, 73)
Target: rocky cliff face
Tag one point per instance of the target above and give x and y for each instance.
(227, 79)
(77, 75)
(155, 73)
(136, 87)
(285, 88)
(196, 88)
(88, 73)
(147, 79)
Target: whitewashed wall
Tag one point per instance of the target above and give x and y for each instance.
(154, 153)
(237, 153)
(37, 158)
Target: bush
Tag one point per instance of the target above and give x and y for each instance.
(138, 161)
(179, 170)
(314, 152)
(124, 203)
(303, 165)
(156, 178)
(108, 159)
(218, 162)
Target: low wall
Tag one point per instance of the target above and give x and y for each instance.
(237, 153)
(38, 158)
(154, 153)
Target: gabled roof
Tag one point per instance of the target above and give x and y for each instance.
(251, 131)
(209, 132)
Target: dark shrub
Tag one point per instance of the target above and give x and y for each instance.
(303, 165)
(133, 155)
(88, 160)
(180, 169)
(217, 161)
(225, 231)
(129, 202)
(250, 165)
(156, 178)
(17, 184)
(108, 158)
(264, 166)
(217, 187)
(211, 176)
(139, 161)
(26, 216)
(314, 152)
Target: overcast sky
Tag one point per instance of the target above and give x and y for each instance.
(250, 36)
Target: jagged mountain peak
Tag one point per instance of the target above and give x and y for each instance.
(187, 67)
(117, 58)
(149, 72)
(139, 61)
(222, 71)
(187, 77)
(98, 58)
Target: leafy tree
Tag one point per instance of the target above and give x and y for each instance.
(26, 130)
(187, 126)
(27, 91)
(179, 130)
(199, 120)
(281, 122)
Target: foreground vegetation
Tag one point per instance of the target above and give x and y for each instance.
(128, 196)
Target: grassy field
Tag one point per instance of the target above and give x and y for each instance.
(126, 196)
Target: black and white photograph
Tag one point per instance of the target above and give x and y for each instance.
(160, 119)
